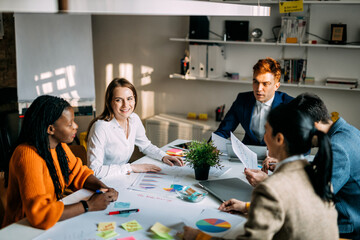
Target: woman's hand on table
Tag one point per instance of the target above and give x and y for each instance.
(172, 160)
(190, 233)
(145, 168)
(233, 206)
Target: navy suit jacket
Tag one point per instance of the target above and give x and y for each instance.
(241, 112)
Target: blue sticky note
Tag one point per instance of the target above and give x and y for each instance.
(123, 215)
(122, 205)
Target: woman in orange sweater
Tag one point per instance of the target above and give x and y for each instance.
(42, 166)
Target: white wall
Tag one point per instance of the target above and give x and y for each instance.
(54, 56)
(144, 41)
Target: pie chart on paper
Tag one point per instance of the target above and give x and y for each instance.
(213, 225)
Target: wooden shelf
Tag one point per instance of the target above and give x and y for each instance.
(247, 80)
(265, 43)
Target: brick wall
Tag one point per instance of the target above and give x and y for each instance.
(7, 53)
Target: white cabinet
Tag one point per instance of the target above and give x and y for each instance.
(164, 128)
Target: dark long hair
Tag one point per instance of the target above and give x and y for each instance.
(108, 113)
(298, 130)
(44, 111)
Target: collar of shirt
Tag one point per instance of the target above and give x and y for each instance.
(289, 159)
(267, 104)
(131, 120)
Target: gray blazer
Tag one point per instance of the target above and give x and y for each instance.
(285, 206)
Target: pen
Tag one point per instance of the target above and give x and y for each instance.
(98, 191)
(124, 211)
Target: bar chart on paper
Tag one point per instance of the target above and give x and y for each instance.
(154, 182)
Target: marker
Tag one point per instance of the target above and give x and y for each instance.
(124, 211)
(98, 191)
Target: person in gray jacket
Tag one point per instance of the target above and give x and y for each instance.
(296, 202)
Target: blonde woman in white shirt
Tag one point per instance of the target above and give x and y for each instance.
(113, 134)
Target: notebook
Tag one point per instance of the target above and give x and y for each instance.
(224, 189)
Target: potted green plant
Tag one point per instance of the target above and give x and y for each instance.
(201, 156)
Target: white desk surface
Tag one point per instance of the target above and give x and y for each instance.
(153, 208)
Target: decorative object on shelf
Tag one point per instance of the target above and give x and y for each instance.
(219, 113)
(341, 82)
(292, 30)
(203, 116)
(256, 35)
(237, 30)
(199, 27)
(233, 76)
(191, 115)
(338, 34)
(201, 156)
(185, 62)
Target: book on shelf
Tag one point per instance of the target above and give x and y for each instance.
(341, 82)
(293, 70)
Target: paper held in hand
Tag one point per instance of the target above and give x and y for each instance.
(246, 156)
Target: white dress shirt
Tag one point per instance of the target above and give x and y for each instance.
(109, 151)
(258, 119)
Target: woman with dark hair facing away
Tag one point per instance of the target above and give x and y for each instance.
(296, 202)
(42, 166)
(113, 134)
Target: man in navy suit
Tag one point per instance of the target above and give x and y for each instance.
(250, 109)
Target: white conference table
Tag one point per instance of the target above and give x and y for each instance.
(169, 211)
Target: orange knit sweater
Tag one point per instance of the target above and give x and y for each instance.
(31, 191)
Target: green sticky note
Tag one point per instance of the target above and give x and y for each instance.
(131, 226)
(161, 231)
(107, 234)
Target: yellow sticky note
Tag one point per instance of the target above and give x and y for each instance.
(161, 230)
(107, 234)
(105, 226)
(131, 226)
(291, 6)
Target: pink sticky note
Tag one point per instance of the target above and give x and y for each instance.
(127, 238)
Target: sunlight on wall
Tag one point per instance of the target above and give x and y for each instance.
(47, 88)
(109, 74)
(45, 75)
(59, 83)
(126, 70)
(147, 103)
(146, 75)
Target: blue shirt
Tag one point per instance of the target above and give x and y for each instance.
(345, 142)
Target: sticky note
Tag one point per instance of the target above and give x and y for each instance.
(161, 231)
(127, 238)
(107, 234)
(105, 226)
(175, 152)
(123, 215)
(131, 226)
(121, 205)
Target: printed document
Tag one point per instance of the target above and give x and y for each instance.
(246, 156)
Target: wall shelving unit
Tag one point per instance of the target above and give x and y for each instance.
(247, 80)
